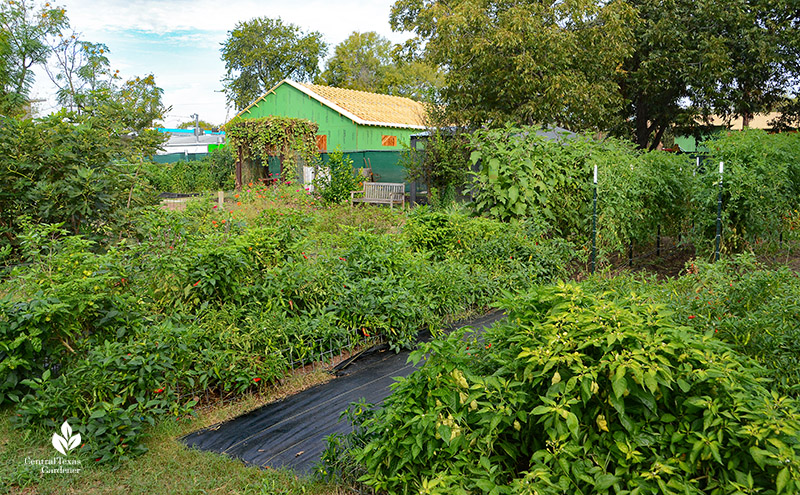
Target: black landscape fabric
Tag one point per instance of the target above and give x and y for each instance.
(291, 433)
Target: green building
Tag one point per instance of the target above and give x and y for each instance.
(352, 120)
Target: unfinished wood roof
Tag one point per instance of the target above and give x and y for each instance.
(373, 108)
(360, 106)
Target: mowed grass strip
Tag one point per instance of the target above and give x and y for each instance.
(168, 468)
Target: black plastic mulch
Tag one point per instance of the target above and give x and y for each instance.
(291, 433)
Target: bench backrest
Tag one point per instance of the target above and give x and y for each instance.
(383, 190)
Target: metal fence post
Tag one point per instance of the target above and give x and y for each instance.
(630, 255)
(719, 214)
(594, 221)
(658, 240)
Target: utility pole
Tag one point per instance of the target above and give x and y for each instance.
(196, 127)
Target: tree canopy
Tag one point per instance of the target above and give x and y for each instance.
(632, 67)
(694, 58)
(24, 31)
(201, 123)
(366, 62)
(510, 60)
(359, 62)
(261, 52)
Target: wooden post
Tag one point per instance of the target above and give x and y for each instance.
(221, 198)
(239, 170)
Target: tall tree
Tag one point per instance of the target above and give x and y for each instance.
(359, 62)
(521, 61)
(761, 37)
(261, 52)
(676, 56)
(694, 58)
(367, 62)
(78, 69)
(24, 31)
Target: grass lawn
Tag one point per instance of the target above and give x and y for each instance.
(169, 467)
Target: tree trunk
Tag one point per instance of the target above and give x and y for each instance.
(239, 170)
(657, 137)
(642, 132)
(747, 117)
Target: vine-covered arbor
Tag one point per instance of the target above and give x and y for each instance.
(255, 141)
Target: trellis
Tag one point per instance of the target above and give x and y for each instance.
(284, 137)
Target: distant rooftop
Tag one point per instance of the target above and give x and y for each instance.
(759, 121)
(187, 131)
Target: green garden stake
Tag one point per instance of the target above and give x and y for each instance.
(719, 213)
(630, 255)
(594, 221)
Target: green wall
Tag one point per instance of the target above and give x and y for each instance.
(287, 101)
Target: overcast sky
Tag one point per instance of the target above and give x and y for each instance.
(179, 41)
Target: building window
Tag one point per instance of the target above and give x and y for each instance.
(322, 142)
(389, 141)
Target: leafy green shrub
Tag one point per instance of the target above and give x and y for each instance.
(754, 308)
(443, 164)
(213, 172)
(57, 171)
(761, 187)
(638, 193)
(65, 298)
(578, 393)
(518, 254)
(524, 174)
(432, 231)
(335, 179)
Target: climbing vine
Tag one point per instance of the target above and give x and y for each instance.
(265, 137)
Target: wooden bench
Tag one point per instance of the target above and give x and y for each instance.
(382, 193)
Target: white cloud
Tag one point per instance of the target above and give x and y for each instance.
(178, 41)
(335, 19)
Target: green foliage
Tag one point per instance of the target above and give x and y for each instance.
(760, 187)
(524, 174)
(359, 62)
(80, 70)
(581, 393)
(511, 180)
(191, 125)
(443, 163)
(639, 192)
(62, 172)
(548, 63)
(129, 111)
(24, 30)
(748, 305)
(217, 301)
(365, 62)
(759, 68)
(73, 293)
(335, 179)
(289, 138)
(261, 52)
(337, 461)
(214, 172)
